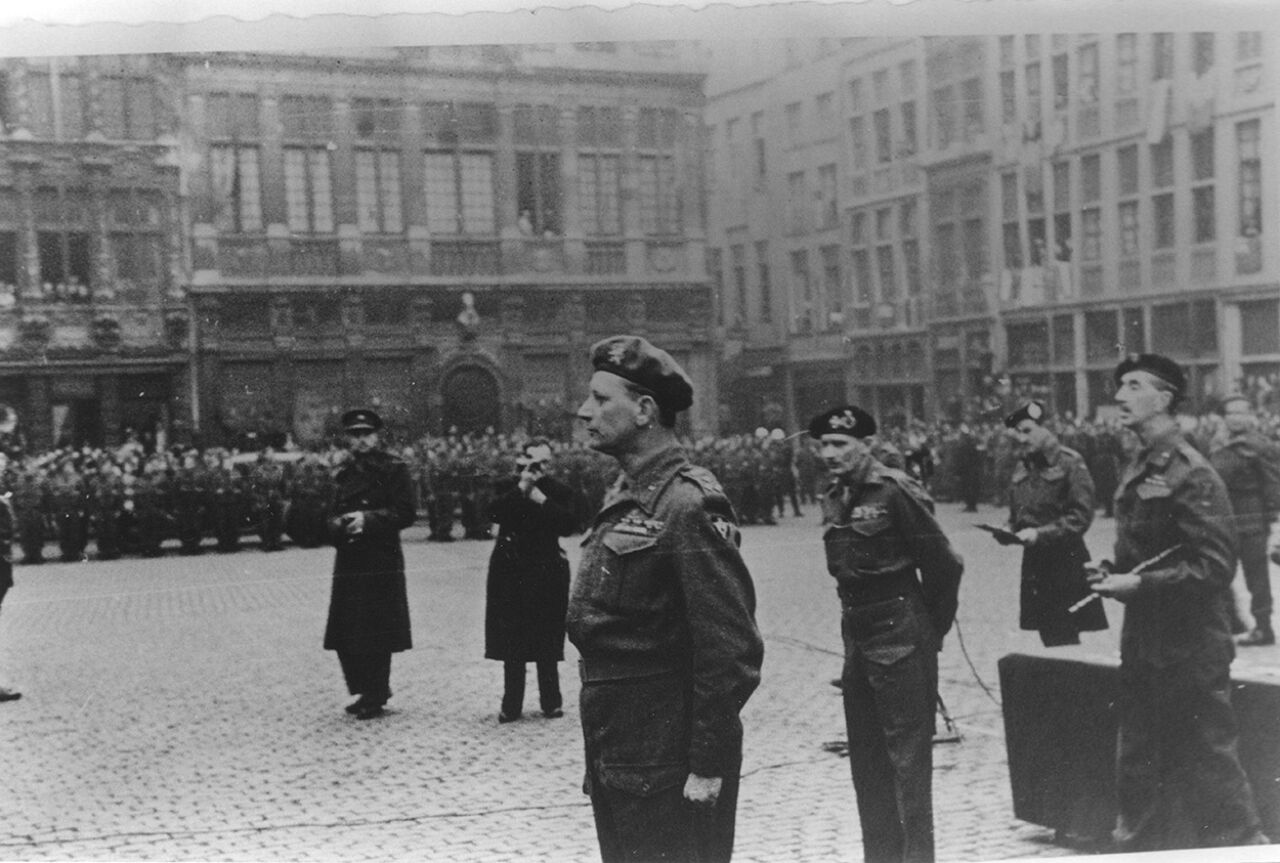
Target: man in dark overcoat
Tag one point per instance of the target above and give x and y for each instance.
(1050, 507)
(369, 605)
(1178, 740)
(527, 593)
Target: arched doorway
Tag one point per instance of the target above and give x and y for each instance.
(469, 400)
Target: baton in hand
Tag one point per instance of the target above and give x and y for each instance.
(1142, 567)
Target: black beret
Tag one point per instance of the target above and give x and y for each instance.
(634, 359)
(846, 419)
(361, 419)
(1032, 410)
(1160, 366)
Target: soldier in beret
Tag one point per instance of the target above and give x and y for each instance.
(369, 605)
(1050, 508)
(898, 580)
(1177, 732)
(1249, 464)
(663, 615)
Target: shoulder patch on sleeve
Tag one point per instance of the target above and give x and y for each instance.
(703, 478)
(727, 529)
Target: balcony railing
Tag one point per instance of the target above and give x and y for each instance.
(465, 258)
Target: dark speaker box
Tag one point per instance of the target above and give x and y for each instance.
(1060, 734)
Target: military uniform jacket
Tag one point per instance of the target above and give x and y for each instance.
(1170, 495)
(881, 533)
(1249, 464)
(1052, 491)
(6, 541)
(662, 589)
(369, 605)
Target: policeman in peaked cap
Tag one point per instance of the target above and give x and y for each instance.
(369, 606)
(663, 615)
(1175, 558)
(361, 420)
(898, 580)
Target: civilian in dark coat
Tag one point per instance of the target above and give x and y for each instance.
(1051, 506)
(528, 587)
(369, 606)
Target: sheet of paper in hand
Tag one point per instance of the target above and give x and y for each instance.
(1003, 536)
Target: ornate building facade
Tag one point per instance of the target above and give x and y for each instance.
(93, 320)
(440, 232)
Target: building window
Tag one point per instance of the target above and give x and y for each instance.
(795, 131)
(459, 190)
(758, 142)
(1202, 52)
(1008, 98)
(1033, 101)
(1126, 63)
(58, 97)
(944, 109)
(831, 282)
(765, 277)
(538, 195)
(975, 249)
(376, 118)
(135, 224)
(128, 110)
(1127, 168)
(1248, 46)
(1162, 219)
(862, 288)
(971, 95)
(63, 243)
(600, 191)
(308, 191)
(1006, 51)
(797, 203)
(800, 275)
(1204, 215)
(1061, 82)
(1091, 234)
(907, 77)
(1249, 194)
(306, 118)
(232, 116)
(1128, 229)
(827, 196)
(715, 271)
(378, 191)
(234, 177)
(738, 261)
(600, 170)
(1087, 73)
(1161, 56)
(1162, 163)
(1090, 177)
(858, 136)
(856, 103)
(1062, 210)
(888, 278)
(884, 137)
(825, 113)
(910, 247)
(909, 136)
(658, 194)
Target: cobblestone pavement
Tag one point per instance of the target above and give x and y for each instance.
(182, 709)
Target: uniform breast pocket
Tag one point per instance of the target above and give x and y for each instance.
(869, 541)
(635, 559)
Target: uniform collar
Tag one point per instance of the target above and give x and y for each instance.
(651, 477)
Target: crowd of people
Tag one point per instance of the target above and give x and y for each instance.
(133, 499)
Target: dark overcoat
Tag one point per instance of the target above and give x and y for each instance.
(369, 606)
(527, 593)
(1052, 491)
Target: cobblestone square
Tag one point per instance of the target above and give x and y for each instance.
(182, 709)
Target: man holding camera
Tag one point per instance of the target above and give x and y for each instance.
(369, 606)
(527, 594)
